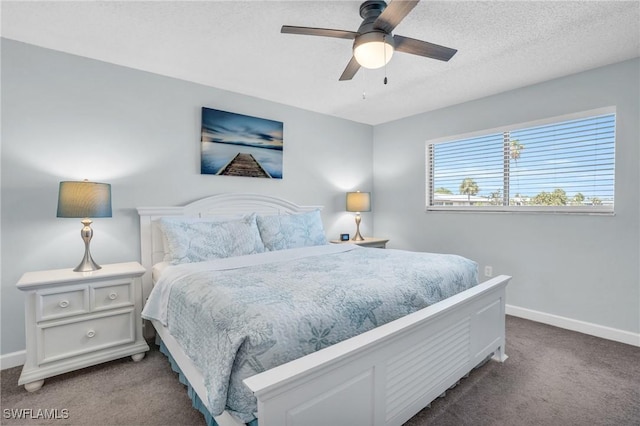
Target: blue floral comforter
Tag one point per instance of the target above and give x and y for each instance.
(241, 316)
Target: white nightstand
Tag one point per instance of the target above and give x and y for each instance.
(77, 319)
(368, 242)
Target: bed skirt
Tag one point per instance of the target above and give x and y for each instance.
(196, 402)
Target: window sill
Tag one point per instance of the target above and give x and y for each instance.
(520, 210)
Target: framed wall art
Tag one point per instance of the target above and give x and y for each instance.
(240, 145)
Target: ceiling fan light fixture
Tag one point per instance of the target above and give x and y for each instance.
(373, 50)
(373, 42)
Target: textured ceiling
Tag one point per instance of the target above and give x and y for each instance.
(237, 46)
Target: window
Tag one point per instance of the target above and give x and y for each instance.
(565, 164)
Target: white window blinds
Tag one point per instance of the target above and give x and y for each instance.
(567, 165)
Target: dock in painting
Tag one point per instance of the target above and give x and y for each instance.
(240, 145)
(244, 165)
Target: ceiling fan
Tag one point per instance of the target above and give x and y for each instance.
(373, 43)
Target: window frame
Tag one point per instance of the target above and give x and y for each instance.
(588, 210)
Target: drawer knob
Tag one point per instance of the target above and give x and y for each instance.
(91, 333)
(63, 303)
(113, 295)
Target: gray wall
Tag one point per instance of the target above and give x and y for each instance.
(66, 117)
(577, 266)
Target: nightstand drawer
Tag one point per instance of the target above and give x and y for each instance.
(61, 302)
(65, 339)
(111, 295)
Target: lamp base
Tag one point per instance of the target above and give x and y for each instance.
(358, 236)
(87, 264)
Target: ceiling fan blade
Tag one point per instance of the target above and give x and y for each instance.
(352, 68)
(423, 48)
(323, 32)
(393, 14)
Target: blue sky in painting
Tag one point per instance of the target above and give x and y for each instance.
(230, 128)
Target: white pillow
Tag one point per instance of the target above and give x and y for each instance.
(196, 240)
(280, 232)
(188, 219)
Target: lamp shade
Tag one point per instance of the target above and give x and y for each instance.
(358, 201)
(84, 199)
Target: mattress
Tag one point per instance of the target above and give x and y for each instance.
(240, 316)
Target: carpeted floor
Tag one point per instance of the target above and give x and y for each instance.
(553, 377)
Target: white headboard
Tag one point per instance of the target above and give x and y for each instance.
(151, 244)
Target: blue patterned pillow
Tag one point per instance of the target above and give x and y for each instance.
(280, 232)
(196, 240)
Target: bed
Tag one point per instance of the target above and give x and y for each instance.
(381, 374)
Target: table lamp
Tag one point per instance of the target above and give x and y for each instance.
(84, 200)
(358, 202)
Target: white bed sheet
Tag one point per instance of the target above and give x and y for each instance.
(157, 270)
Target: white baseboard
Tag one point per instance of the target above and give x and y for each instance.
(13, 359)
(575, 325)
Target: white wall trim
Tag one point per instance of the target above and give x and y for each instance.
(13, 359)
(575, 325)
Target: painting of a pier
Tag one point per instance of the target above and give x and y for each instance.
(240, 145)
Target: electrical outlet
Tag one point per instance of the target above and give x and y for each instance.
(488, 271)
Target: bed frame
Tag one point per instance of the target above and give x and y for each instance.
(381, 377)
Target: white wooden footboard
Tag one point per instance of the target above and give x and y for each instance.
(387, 375)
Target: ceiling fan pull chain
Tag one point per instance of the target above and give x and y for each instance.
(384, 49)
(364, 86)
